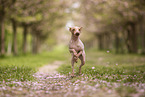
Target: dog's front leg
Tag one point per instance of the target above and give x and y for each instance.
(79, 54)
(73, 51)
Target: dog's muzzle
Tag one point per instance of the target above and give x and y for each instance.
(77, 34)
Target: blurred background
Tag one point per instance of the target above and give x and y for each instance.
(34, 26)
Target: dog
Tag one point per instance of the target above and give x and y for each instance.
(76, 48)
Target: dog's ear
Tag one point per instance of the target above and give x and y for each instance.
(70, 29)
(80, 28)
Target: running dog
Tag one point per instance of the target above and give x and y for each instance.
(76, 48)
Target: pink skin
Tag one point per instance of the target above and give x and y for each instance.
(76, 47)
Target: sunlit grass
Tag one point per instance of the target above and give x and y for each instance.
(16, 73)
(103, 70)
(111, 67)
(102, 65)
(22, 67)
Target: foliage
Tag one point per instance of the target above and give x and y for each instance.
(40, 18)
(119, 22)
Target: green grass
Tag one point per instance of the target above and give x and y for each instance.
(16, 73)
(22, 67)
(111, 67)
(107, 66)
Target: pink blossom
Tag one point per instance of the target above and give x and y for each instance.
(93, 67)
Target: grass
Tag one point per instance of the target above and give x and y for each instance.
(102, 65)
(16, 73)
(111, 67)
(22, 67)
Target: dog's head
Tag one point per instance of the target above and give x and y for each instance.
(75, 31)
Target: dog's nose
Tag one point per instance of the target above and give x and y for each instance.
(77, 34)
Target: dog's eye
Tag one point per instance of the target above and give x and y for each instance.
(73, 29)
(79, 29)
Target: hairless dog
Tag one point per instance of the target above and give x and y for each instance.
(76, 48)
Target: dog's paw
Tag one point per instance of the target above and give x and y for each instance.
(76, 59)
(75, 54)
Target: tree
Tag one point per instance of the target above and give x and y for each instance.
(25, 13)
(14, 27)
(4, 8)
(116, 18)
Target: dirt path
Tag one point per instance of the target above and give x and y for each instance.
(53, 84)
(49, 83)
(50, 68)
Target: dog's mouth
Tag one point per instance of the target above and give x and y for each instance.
(77, 34)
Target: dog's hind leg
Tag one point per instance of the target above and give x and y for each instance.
(72, 63)
(82, 58)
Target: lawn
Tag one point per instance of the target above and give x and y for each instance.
(111, 67)
(103, 69)
(103, 65)
(22, 67)
(122, 73)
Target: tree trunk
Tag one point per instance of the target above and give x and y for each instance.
(34, 40)
(107, 40)
(2, 29)
(9, 48)
(142, 30)
(116, 42)
(103, 41)
(143, 41)
(25, 27)
(100, 42)
(134, 38)
(37, 43)
(14, 26)
(122, 41)
(128, 43)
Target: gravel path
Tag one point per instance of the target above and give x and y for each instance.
(49, 83)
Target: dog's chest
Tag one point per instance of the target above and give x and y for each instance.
(77, 45)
